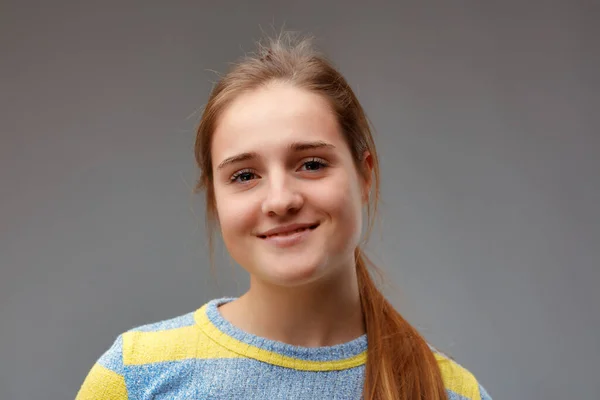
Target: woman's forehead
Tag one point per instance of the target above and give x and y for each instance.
(275, 117)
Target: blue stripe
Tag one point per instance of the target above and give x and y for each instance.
(173, 323)
(239, 378)
(113, 357)
(455, 396)
(484, 394)
(326, 353)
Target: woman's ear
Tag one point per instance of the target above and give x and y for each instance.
(367, 169)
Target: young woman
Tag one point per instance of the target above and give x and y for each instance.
(288, 163)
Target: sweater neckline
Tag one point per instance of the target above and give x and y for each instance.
(327, 358)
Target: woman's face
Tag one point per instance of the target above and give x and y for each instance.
(288, 194)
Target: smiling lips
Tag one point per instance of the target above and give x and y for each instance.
(287, 230)
(288, 235)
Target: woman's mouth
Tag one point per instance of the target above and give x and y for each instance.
(288, 236)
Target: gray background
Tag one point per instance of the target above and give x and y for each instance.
(486, 118)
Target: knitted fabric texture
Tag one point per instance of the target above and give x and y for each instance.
(201, 355)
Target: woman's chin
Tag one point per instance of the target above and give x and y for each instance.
(291, 274)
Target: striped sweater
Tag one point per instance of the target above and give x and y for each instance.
(201, 355)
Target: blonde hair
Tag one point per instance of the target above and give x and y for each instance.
(400, 364)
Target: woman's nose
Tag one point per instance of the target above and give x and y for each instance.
(282, 197)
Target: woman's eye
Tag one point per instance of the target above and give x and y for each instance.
(314, 165)
(243, 176)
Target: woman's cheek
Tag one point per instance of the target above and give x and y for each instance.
(339, 201)
(235, 214)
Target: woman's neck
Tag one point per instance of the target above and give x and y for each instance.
(325, 313)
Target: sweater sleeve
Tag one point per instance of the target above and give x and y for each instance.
(460, 383)
(106, 379)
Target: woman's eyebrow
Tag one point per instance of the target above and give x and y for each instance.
(295, 146)
(301, 146)
(236, 159)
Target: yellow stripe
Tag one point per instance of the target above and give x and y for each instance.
(102, 384)
(246, 350)
(170, 345)
(206, 341)
(457, 378)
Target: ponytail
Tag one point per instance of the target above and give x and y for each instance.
(400, 363)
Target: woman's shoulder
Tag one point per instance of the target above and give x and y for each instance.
(181, 321)
(149, 336)
(166, 340)
(458, 380)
